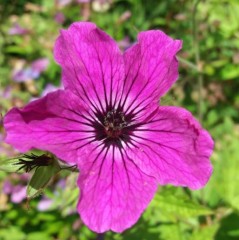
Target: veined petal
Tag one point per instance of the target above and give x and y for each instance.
(174, 148)
(57, 123)
(151, 68)
(92, 64)
(114, 191)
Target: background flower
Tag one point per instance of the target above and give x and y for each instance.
(32, 72)
(16, 29)
(59, 18)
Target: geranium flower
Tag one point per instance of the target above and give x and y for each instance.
(109, 122)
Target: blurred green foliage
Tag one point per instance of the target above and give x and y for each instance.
(175, 213)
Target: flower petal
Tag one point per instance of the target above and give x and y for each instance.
(57, 123)
(92, 64)
(114, 191)
(151, 68)
(174, 148)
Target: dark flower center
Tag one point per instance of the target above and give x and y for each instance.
(114, 122)
(114, 127)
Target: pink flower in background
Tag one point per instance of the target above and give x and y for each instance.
(60, 18)
(7, 187)
(63, 3)
(44, 204)
(109, 122)
(6, 92)
(16, 29)
(40, 65)
(17, 192)
(83, 1)
(32, 72)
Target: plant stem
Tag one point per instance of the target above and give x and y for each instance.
(200, 75)
(197, 59)
(189, 64)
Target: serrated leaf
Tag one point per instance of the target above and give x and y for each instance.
(180, 208)
(171, 204)
(41, 178)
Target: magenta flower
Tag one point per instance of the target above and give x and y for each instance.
(108, 120)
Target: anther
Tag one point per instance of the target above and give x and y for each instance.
(114, 122)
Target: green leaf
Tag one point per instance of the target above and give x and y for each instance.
(212, 117)
(229, 72)
(38, 235)
(227, 177)
(176, 207)
(169, 230)
(228, 229)
(12, 233)
(41, 178)
(205, 232)
(172, 205)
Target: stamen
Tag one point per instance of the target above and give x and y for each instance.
(114, 122)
